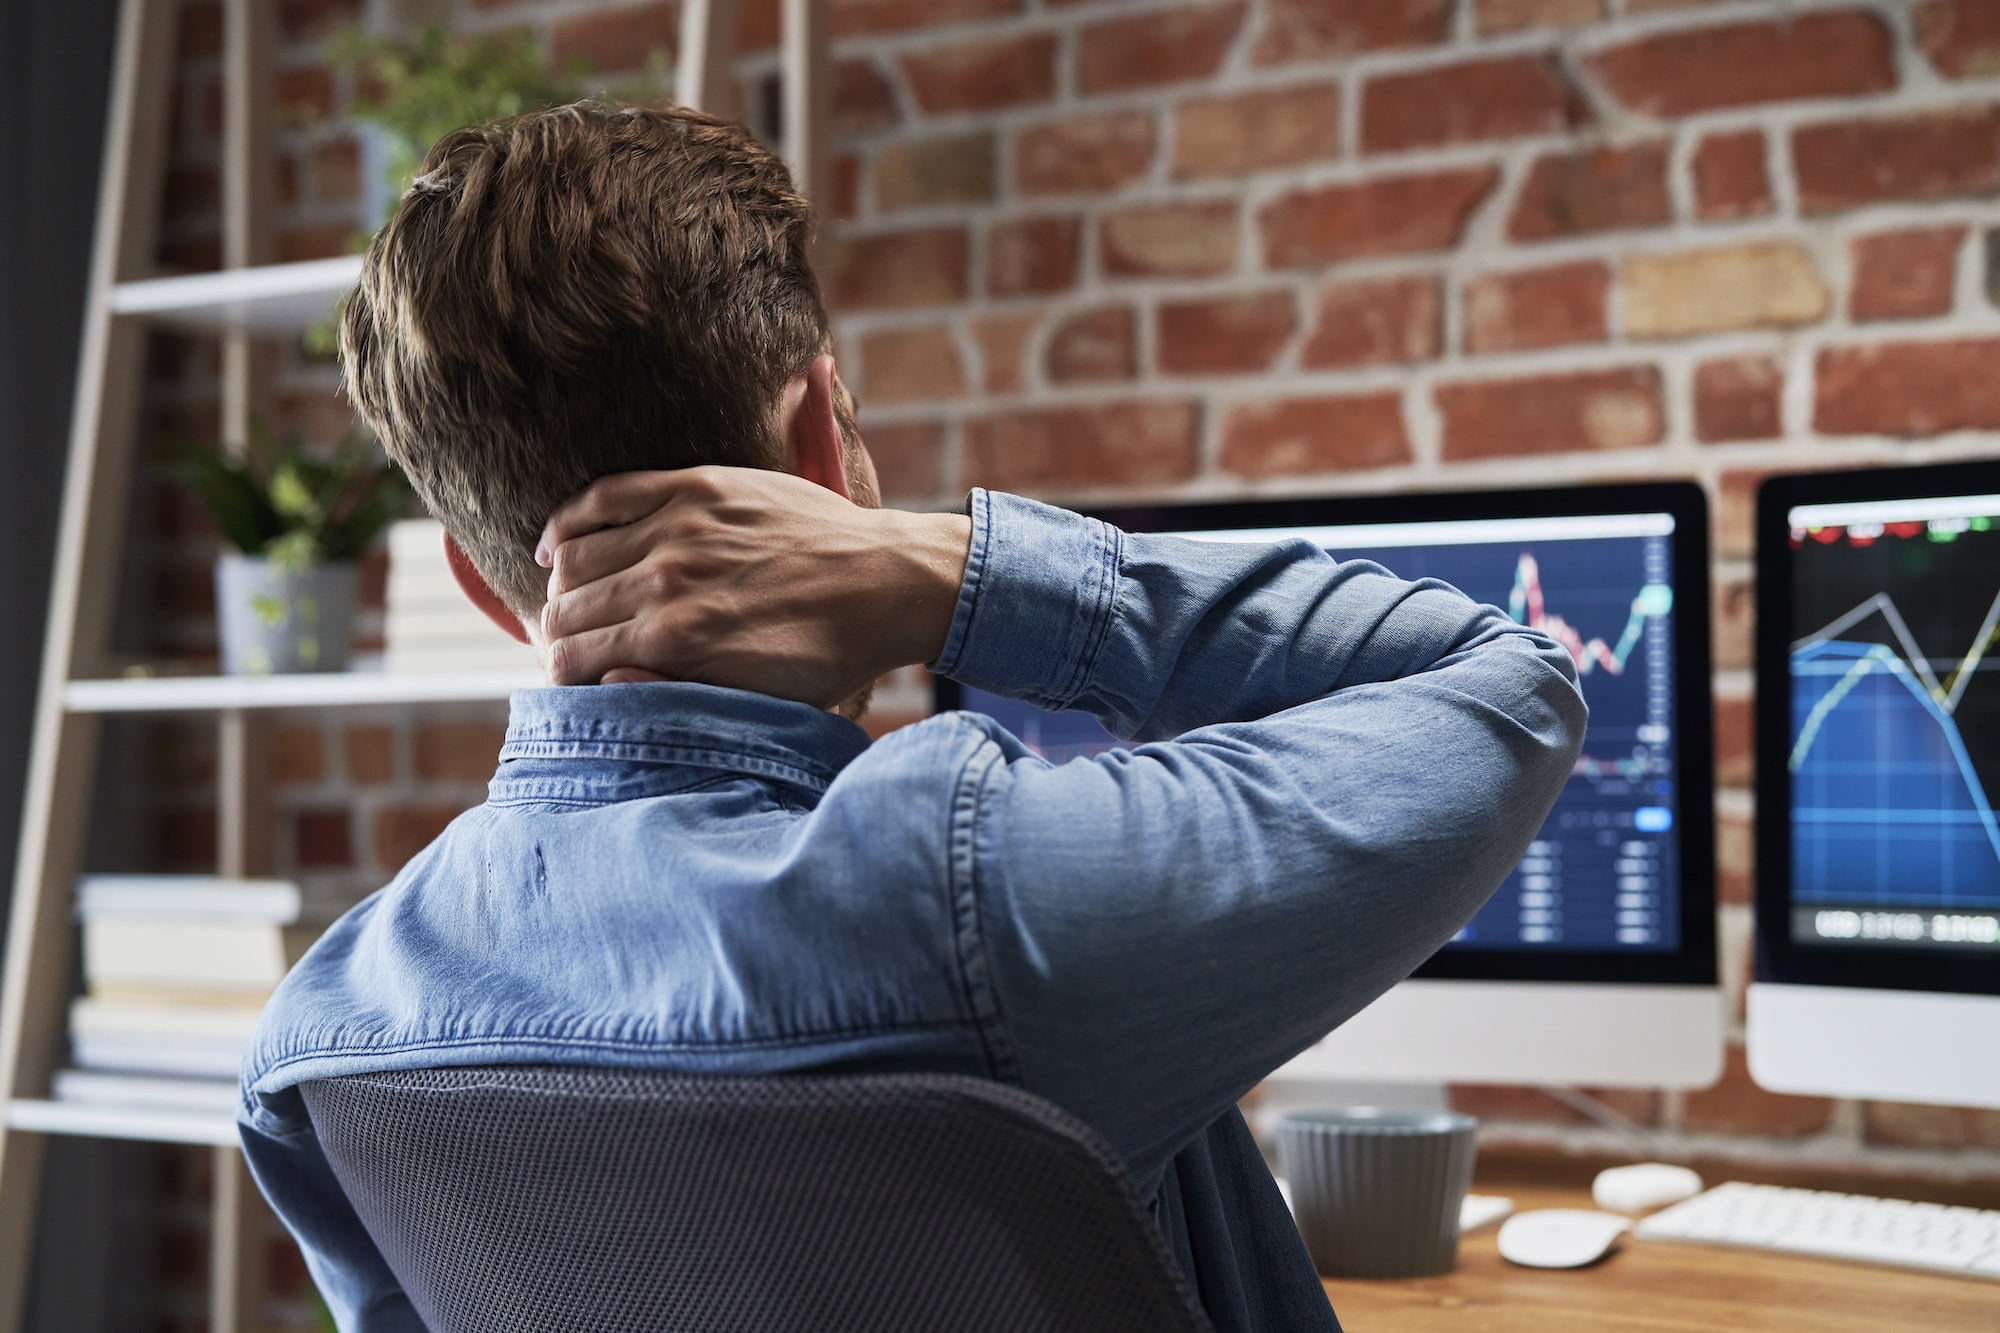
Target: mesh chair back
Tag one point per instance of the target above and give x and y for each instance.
(544, 1199)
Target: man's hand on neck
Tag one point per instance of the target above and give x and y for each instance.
(745, 578)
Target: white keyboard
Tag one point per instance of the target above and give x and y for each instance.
(1836, 1226)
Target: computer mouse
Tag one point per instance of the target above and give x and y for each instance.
(1559, 1237)
(1643, 1185)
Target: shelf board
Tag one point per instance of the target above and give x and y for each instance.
(270, 298)
(337, 689)
(97, 1120)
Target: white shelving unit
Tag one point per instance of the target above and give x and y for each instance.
(153, 1124)
(269, 300)
(340, 689)
(79, 685)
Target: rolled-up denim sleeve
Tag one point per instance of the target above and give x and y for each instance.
(1340, 766)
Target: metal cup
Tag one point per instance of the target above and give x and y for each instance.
(1376, 1193)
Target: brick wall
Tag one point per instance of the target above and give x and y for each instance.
(1094, 249)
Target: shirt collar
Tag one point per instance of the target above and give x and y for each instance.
(582, 741)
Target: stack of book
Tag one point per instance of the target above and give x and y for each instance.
(176, 969)
(430, 626)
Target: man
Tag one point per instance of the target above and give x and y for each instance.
(699, 864)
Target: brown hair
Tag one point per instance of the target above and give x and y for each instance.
(572, 293)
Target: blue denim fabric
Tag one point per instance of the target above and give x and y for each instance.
(1342, 766)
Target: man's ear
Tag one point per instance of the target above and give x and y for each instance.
(813, 431)
(473, 584)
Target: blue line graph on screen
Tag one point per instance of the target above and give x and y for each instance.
(1887, 804)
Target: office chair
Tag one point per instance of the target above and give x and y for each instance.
(544, 1199)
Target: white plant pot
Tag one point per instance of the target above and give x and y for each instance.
(272, 619)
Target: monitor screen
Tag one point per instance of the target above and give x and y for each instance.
(1885, 648)
(1617, 576)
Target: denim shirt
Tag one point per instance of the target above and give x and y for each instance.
(1340, 767)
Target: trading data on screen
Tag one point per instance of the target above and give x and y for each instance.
(1604, 870)
(1895, 712)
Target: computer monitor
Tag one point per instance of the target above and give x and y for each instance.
(1878, 751)
(1595, 961)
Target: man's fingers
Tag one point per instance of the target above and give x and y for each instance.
(582, 659)
(617, 597)
(598, 555)
(606, 502)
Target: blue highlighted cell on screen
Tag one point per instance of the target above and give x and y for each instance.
(1652, 819)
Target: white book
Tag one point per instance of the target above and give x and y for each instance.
(99, 1087)
(200, 955)
(204, 1040)
(187, 897)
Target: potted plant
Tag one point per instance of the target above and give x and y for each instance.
(299, 520)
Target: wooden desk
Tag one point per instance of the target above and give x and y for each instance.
(1654, 1287)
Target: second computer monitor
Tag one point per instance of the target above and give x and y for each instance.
(1878, 756)
(1595, 961)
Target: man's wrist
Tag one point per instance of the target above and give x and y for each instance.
(930, 552)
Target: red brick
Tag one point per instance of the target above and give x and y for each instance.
(1961, 37)
(1843, 54)
(1592, 189)
(1909, 389)
(1904, 274)
(465, 750)
(313, 240)
(942, 170)
(1095, 345)
(298, 753)
(1729, 179)
(371, 753)
(1386, 216)
(1738, 398)
(843, 201)
(893, 269)
(1909, 1125)
(185, 838)
(323, 839)
(1003, 348)
(1540, 307)
(1170, 45)
(1497, 16)
(758, 23)
(1135, 444)
(863, 98)
(1735, 1105)
(1481, 99)
(1735, 623)
(1314, 29)
(1224, 334)
(614, 41)
(852, 18)
(909, 457)
(303, 95)
(1184, 240)
(1084, 153)
(1735, 858)
(313, 20)
(1303, 436)
(337, 172)
(911, 365)
(193, 190)
(984, 75)
(1591, 409)
(200, 31)
(1256, 131)
(404, 830)
(1932, 155)
(1374, 322)
(1500, 1101)
(1734, 752)
(1736, 512)
(1032, 255)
